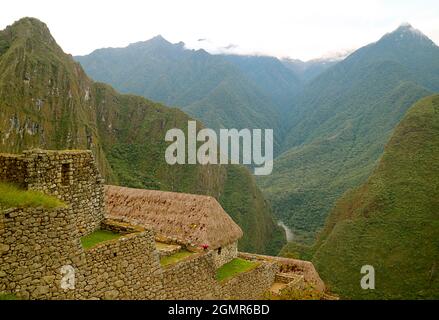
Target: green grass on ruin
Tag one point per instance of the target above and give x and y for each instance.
(176, 257)
(98, 236)
(11, 196)
(234, 267)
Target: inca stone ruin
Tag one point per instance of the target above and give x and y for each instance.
(41, 255)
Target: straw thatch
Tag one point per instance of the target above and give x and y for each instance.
(193, 220)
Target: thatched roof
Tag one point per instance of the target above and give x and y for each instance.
(186, 218)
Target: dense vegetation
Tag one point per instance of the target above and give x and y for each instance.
(47, 101)
(248, 207)
(272, 77)
(392, 221)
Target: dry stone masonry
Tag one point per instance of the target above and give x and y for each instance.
(41, 256)
(71, 176)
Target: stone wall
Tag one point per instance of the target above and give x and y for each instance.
(192, 279)
(125, 268)
(34, 245)
(40, 248)
(292, 282)
(287, 265)
(12, 169)
(71, 176)
(225, 254)
(249, 285)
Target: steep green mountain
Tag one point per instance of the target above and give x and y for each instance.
(341, 122)
(223, 91)
(307, 71)
(191, 79)
(47, 101)
(44, 96)
(271, 76)
(392, 221)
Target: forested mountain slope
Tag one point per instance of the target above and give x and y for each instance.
(392, 221)
(223, 91)
(341, 121)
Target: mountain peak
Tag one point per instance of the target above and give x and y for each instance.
(155, 42)
(406, 33)
(159, 39)
(30, 25)
(30, 22)
(405, 25)
(407, 28)
(31, 29)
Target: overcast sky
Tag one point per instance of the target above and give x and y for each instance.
(299, 29)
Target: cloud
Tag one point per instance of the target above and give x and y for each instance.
(230, 46)
(303, 29)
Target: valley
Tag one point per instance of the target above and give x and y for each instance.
(334, 123)
(355, 141)
(330, 118)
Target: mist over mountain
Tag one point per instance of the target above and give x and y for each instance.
(221, 90)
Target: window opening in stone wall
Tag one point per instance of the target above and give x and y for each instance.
(219, 250)
(65, 170)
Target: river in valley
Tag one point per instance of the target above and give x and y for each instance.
(288, 232)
